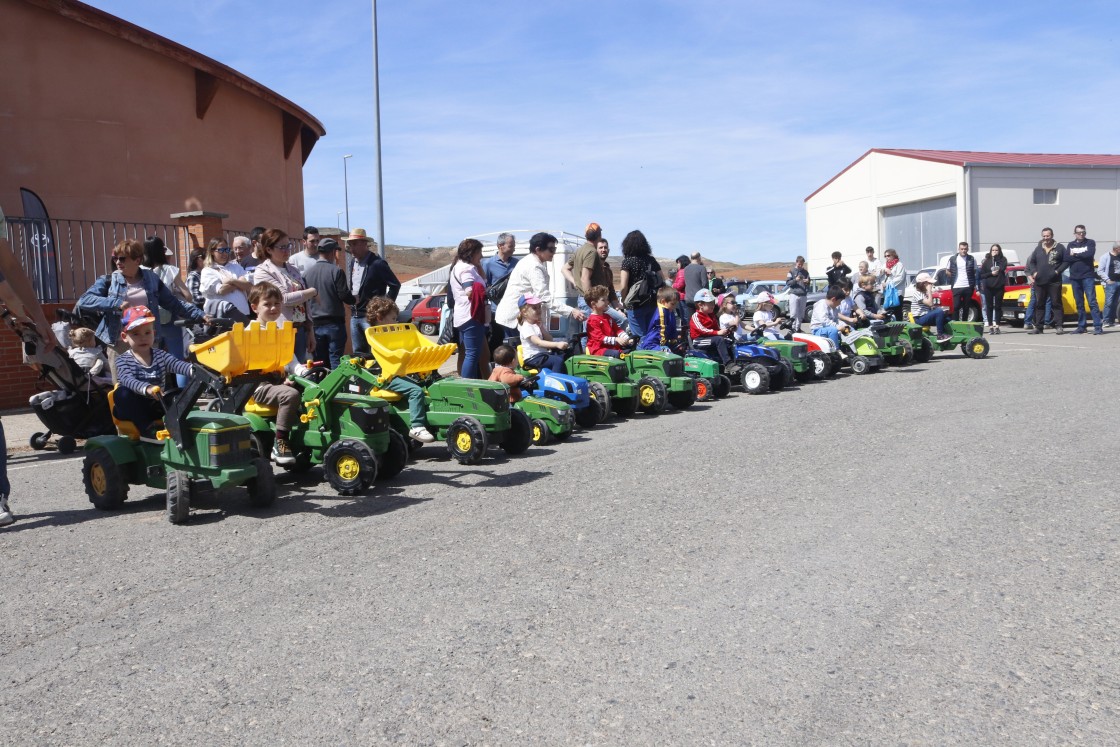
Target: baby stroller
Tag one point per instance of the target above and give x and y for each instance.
(77, 406)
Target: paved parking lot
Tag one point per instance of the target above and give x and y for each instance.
(925, 555)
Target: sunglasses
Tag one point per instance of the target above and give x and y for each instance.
(118, 260)
(222, 250)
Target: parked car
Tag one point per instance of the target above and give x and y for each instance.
(425, 314)
(1015, 300)
(405, 314)
(748, 300)
(943, 294)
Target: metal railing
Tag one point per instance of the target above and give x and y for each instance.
(63, 257)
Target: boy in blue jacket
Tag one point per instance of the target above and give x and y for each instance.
(664, 330)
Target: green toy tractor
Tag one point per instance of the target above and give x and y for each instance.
(194, 445)
(468, 414)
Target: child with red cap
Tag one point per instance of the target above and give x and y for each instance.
(141, 370)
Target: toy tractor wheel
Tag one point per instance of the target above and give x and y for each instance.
(906, 357)
(978, 347)
(755, 379)
(262, 488)
(924, 352)
(427, 328)
(683, 400)
(723, 386)
(395, 457)
(966, 349)
(466, 440)
(520, 434)
(541, 434)
(300, 465)
(860, 365)
(588, 417)
(652, 397)
(704, 389)
(837, 361)
(350, 466)
(624, 408)
(178, 496)
(602, 399)
(104, 481)
(39, 441)
(260, 444)
(782, 376)
(66, 445)
(819, 365)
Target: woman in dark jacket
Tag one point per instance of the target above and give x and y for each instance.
(637, 261)
(993, 274)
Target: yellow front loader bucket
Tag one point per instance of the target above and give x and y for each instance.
(261, 349)
(401, 350)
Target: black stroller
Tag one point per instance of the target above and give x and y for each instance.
(78, 406)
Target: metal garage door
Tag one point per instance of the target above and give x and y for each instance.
(919, 231)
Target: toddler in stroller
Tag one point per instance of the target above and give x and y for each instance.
(89, 356)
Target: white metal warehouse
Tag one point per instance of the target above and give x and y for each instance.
(923, 202)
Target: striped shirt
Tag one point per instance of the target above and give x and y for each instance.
(918, 305)
(133, 374)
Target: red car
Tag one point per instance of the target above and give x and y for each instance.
(425, 314)
(943, 295)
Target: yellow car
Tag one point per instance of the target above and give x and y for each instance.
(1015, 301)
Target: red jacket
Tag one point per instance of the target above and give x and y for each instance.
(702, 325)
(600, 327)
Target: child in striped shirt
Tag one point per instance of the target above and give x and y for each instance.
(141, 371)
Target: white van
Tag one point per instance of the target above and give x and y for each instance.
(562, 290)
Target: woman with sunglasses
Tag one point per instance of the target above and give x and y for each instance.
(275, 248)
(224, 285)
(127, 285)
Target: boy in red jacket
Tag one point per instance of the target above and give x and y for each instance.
(705, 330)
(604, 336)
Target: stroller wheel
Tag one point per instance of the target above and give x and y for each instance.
(39, 441)
(67, 445)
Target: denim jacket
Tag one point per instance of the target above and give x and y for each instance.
(108, 292)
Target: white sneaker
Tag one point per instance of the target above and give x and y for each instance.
(421, 434)
(6, 517)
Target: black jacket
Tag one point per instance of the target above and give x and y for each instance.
(969, 268)
(378, 280)
(1049, 265)
(994, 274)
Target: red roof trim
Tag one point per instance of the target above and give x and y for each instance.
(982, 158)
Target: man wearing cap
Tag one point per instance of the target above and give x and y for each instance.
(328, 309)
(368, 276)
(310, 254)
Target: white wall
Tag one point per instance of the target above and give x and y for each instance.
(844, 216)
(1005, 212)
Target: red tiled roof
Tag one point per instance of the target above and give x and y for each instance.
(981, 158)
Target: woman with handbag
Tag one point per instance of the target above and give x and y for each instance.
(894, 284)
(467, 288)
(641, 278)
(993, 278)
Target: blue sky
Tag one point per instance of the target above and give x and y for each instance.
(704, 123)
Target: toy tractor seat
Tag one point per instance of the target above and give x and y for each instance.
(125, 428)
(252, 407)
(910, 316)
(385, 394)
(401, 350)
(258, 348)
(521, 361)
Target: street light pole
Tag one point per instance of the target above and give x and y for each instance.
(377, 141)
(346, 189)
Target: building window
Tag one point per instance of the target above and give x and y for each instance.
(1046, 197)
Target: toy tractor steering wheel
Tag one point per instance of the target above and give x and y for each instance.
(316, 374)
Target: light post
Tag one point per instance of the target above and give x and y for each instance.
(346, 189)
(377, 140)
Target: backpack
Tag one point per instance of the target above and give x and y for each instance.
(643, 291)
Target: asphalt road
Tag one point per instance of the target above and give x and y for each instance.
(922, 556)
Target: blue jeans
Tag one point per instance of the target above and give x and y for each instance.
(830, 331)
(639, 320)
(330, 342)
(358, 327)
(173, 343)
(1081, 288)
(1111, 299)
(937, 317)
(300, 349)
(5, 487)
(472, 336)
(1029, 319)
(982, 290)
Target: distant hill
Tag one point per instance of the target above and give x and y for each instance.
(409, 262)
